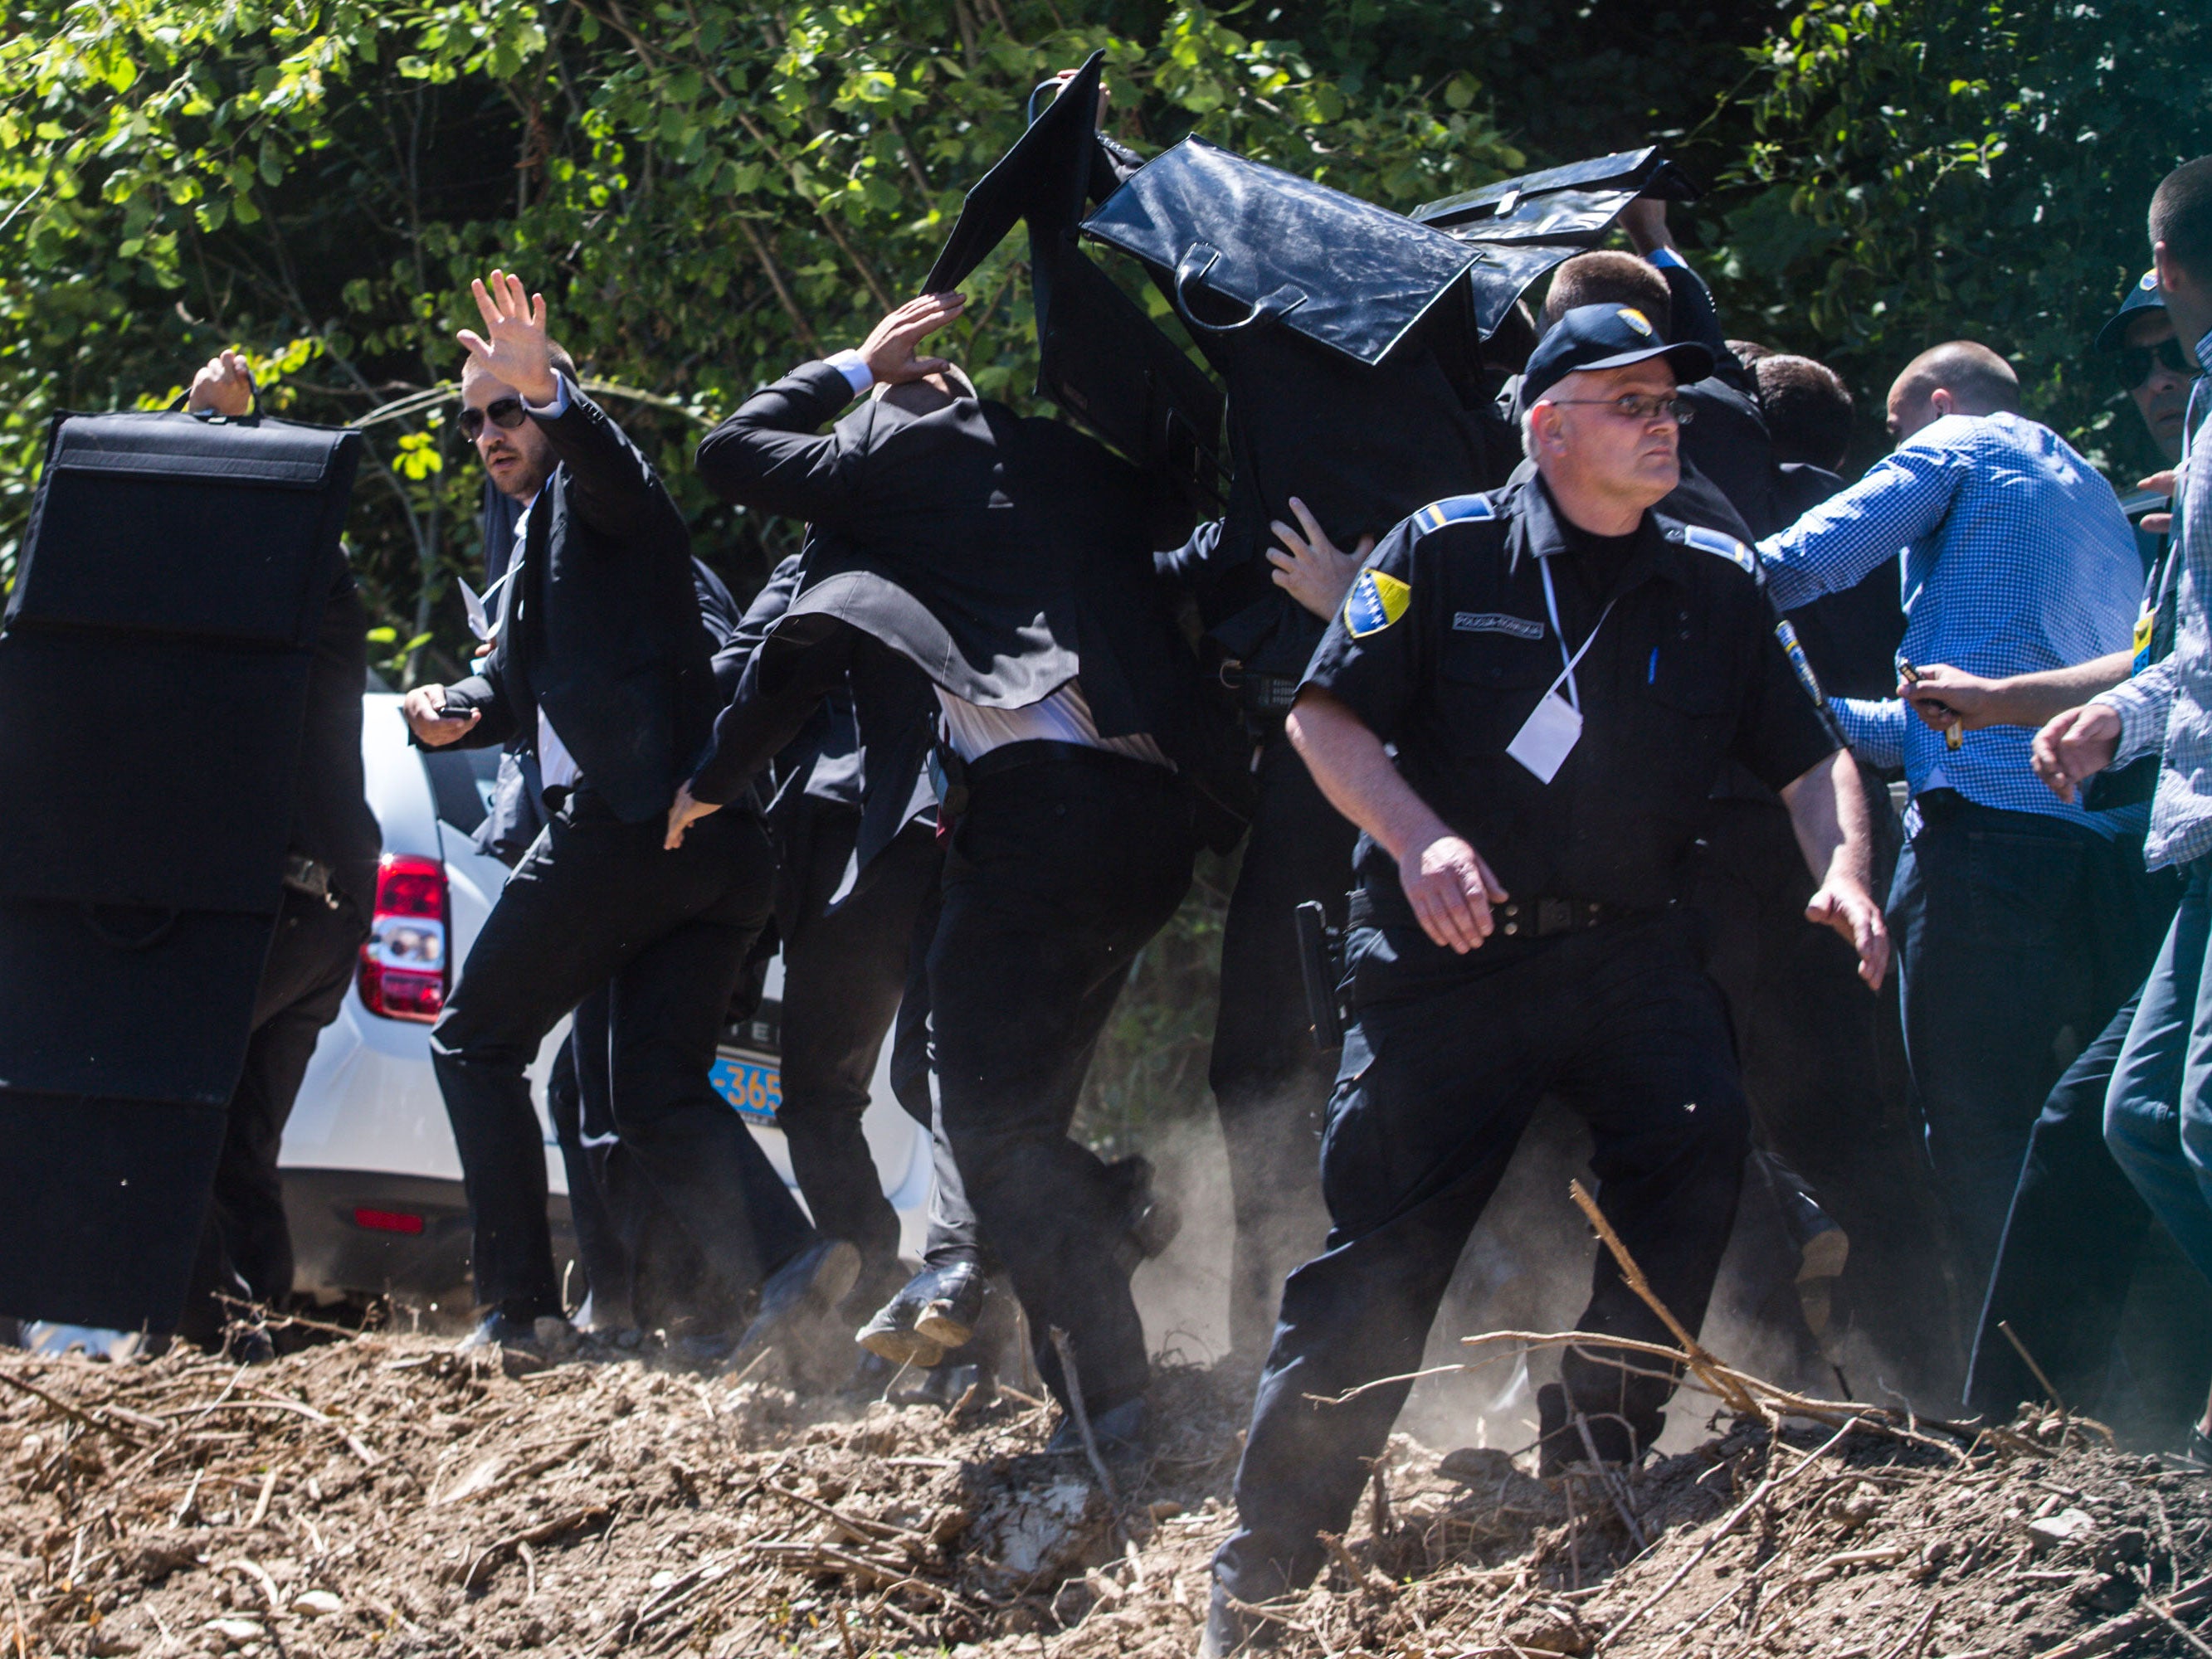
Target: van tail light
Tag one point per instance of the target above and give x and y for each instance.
(405, 969)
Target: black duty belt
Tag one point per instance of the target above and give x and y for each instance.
(1035, 752)
(1538, 918)
(1259, 696)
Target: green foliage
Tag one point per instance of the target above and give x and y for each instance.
(705, 191)
(1925, 170)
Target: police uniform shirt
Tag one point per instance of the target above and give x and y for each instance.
(1445, 644)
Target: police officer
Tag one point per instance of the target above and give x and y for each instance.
(1562, 672)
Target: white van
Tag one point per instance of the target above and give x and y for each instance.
(371, 1181)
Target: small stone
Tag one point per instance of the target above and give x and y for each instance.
(236, 1631)
(317, 1604)
(2069, 1526)
(106, 1643)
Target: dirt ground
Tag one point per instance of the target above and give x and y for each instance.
(378, 1495)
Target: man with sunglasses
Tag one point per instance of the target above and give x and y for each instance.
(2019, 918)
(1561, 671)
(603, 667)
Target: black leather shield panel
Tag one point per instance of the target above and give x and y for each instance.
(1265, 246)
(1574, 204)
(1042, 180)
(154, 670)
(86, 1237)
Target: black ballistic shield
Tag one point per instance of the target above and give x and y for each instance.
(1100, 358)
(1267, 247)
(154, 665)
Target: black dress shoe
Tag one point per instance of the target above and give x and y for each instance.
(1229, 1632)
(798, 1301)
(1119, 1431)
(952, 1300)
(540, 1334)
(890, 1335)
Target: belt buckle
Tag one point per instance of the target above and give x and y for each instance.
(1553, 916)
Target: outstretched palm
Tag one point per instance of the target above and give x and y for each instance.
(518, 351)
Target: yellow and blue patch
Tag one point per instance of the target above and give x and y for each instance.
(1715, 541)
(1454, 509)
(755, 1089)
(1377, 600)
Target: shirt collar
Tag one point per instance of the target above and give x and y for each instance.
(2204, 351)
(1542, 535)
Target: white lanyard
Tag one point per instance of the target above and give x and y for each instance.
(1552, 608)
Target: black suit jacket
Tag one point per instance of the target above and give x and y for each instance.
(604, 629)
(1000, 555)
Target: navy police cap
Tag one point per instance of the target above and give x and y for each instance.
(2145, 296)
(1605, 336)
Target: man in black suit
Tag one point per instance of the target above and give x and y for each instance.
(1010, 560)
(603, 667)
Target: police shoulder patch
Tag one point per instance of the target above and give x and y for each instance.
(1377, 600)
(1454, 509)
(1715, 541)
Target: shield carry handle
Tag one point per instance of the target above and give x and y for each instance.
(1199, 259)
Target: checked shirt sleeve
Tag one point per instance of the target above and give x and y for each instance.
(2142, 704)
(1874, 728)
(1836, 545)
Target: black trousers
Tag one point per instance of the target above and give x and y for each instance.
(1058, 873)
(1270, 1084)
(595, 901)
(954, 1234)
(246, 1244)
(2075, 1237)
(1822, 1069)
(844, 970)
(1441, 1073)
(2017, 935)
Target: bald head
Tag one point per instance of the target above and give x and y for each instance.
(1959, 377)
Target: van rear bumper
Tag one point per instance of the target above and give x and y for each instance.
(368, 1232)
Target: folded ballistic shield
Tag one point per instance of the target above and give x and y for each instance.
(154, 664)
(1100, 358)
(1349, 348)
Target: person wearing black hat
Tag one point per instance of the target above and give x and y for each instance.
(1561, 671)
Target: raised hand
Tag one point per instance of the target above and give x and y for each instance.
(518, 351)
(225, 386)
(889, 350)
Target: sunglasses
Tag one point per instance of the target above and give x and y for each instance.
(2133, 365)
(505, 413)
(1637, 406)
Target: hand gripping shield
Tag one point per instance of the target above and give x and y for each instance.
(154, 664)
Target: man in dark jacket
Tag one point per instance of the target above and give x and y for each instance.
(1009, 560)
(603, 666)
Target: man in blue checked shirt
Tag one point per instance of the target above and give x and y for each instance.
(2158, 1114)
(2022, 922)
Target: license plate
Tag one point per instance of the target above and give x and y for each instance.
(754, 1088)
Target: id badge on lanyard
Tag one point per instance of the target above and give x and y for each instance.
(1548, 736)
